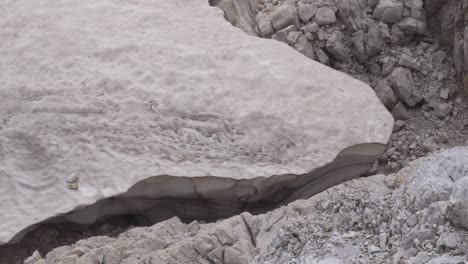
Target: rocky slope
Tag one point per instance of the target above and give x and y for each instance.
(412, 52)
(418, 215)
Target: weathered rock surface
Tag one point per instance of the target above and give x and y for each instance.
(165, 106)
(400, 218)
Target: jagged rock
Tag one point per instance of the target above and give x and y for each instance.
(337, 48)
(165, 129)
(389, 11)
(459, 196)
(306, 11)
(402, 83)
(438, 57)
(285, 15)
(283, 34)
(265, 24)
(398, 37)
(385, 94)
(415, 6)
(312, 28)
(304, 46)
(373, 41)
(410, 25)
(359, 46)
(400, 112)
(407, 61)
(350, 13)
(325, 16)
(388, 65)
(322, 56)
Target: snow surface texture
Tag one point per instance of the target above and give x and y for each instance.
(96, 97)
(412, 217)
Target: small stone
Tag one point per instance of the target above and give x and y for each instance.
(397, 35)
(292, 37)
(409, 62)
(399, 125)
(402, 82)
(312, 28)
(322, 56)
(442, 110)
(444, 93)
(373, 249)
(72, 181)
(325, 16)
(264, 24)
(388, 65)
(438, 57)
(283, 34)
(385, 93)
(429, 145)
(304, 46)
(337, 48)
(399, 112)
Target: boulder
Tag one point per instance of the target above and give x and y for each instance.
(389, 11)
(167, 109)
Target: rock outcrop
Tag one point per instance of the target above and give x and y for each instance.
(166, 109)
(400, 218)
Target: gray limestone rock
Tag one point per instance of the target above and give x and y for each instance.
(389, 11)
(325, 16)
(400, 112)
(283, 34)
(306, 11)
(264, 24)
(402, 83)
(337, 48)
(411, 25)
(285, 15)
(385, 94)
(304, 46)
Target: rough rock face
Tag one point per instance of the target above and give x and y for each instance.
(400, 218)
(163, 105)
